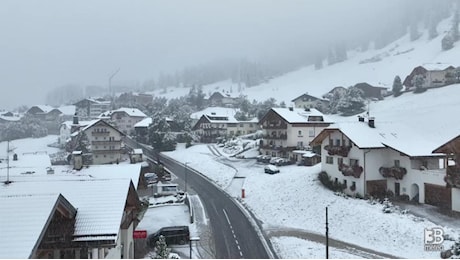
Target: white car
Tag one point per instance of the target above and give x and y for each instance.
(271, 169)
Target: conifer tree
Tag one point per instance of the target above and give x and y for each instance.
(397, 86)
(161, 248)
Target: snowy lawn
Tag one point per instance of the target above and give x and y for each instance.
(294, 198)
(296, 248)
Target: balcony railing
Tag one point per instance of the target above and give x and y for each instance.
(452, 177)
(106, 151)
(354, 170)
(276, 137)
(393, 172)
(275, 126)
(341, 150)
(100, 132)
(107, 142)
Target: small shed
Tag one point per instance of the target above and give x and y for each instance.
(136, 156)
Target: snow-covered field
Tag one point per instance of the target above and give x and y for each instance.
(294, 198)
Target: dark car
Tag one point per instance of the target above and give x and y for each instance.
(175, 235)
(271, 169)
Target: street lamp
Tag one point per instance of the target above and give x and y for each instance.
(185, 175)
(193, 239)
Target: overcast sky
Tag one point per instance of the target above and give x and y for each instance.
(46, 44)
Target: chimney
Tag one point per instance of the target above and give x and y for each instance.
(75, 119)
(371, 122)
(360, 118)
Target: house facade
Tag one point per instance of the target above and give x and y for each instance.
(289, 129)
(124, 119)
(222, 99)
(307, 101)
(371, 92)
(368, 160)
(452, 178)
(434, 75)
(105, 141)
(89, 108)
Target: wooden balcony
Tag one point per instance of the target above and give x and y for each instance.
(276, 137)
(393, 172)
(274, 126)
(107, 142)
(348, 170)
(452, 177)
(338, 150)
(100, 133)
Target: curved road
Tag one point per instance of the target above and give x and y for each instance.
(233, 234)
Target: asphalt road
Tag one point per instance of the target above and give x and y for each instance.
(234, 236)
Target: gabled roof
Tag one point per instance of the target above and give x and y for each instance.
(385, 135)
(25, 219)
(95, 217)
(133, 112)
(364, 85)
(100, 121)
(437, 66)
(297, 115)
(214, 111)
(305, 96)
(144, 122)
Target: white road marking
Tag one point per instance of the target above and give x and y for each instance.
(233, 232)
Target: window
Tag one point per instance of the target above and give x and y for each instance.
(339, 160)
(345, 183)
(397, 163)
(330, 142)
(241, 125)
(250, 125)
(329, 160)
(300, 133)
(354, 162)
(299, 144)
(96, 138)
(337, 142)
(311, 133)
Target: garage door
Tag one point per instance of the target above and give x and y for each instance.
(437, 195)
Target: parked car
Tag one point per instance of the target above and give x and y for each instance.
(151, 178)
(263, 158)
(271, 169)
(274, 159)
(173, 235)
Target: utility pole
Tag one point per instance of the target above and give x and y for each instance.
(8, 163)
(327, 237)
(185, 177)
(110, 85)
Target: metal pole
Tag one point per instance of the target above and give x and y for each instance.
(8, 163)
(185, 169)
(190, 248)
(327, 237)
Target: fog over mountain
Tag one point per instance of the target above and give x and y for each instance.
(49, 44)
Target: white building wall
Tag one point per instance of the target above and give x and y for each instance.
(456, 199)
(104, 157)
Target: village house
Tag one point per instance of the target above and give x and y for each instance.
(141, 129)
(65, 220)
(371, 92)
(89, 108)
(214, 127)
(124, 119)
(452, 178)
(308, 101)
(69, 127)
(434, 75)
(289, 129)
(222, 99)
(105, 141)
(378, 160)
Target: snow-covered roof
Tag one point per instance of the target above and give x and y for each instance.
(44, 108)
(437, 66)
(95, 216)
(10, 118)
(67, 110)
(138, 151)
(214, 111)
(297, 115)
(23, 220)
(133, 112)
(144, 122)
(386, 134)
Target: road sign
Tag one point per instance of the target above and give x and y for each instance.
(139, 234)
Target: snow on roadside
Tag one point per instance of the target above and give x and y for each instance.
(200, 158)
(296, 248)
(294, 198)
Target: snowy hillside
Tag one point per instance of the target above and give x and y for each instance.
(398, 58)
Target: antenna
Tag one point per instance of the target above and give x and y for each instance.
(8, 163)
